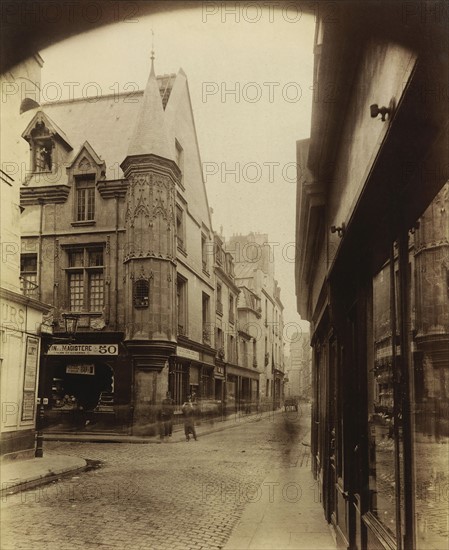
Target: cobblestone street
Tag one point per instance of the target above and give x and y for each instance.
(175, 495)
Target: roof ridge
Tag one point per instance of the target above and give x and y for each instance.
(160, 77)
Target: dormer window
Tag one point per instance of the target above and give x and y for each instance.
(85, 199)
(48, 144)
(43, 156)
(42, 145)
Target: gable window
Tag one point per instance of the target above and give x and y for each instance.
(28, 274)
(85, 273)
(141, 294)
(85, 199)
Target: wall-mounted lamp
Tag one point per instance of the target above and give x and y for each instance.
(339, 230)
(71, 323)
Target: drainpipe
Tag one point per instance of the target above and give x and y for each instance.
(116, 261)
(41, 224)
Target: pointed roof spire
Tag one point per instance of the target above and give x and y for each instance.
(152, 52)
(150, 134)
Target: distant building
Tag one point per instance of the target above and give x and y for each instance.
(299, 366)
(260, 310)
(231, 382)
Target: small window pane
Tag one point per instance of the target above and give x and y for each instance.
(96, 291)
(81, 203)
(96, 257)
(76, 288)
(76, 258)
(90, 204)
(28, 263)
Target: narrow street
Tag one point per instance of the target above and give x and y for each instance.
(174, 495)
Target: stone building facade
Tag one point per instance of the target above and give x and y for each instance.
(116, 230)
(260, 310)
(21, 319)
(299, 369)
(371, 277)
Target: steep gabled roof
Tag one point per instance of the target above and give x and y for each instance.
(106, 122)
(87, 147)
(52, 127)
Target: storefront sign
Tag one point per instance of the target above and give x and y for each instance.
(83, 349)
(80, 369)
(187, 353)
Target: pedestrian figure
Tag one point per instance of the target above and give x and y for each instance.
(188, 411)
(167, 410)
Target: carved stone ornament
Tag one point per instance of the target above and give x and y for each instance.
(97, 323)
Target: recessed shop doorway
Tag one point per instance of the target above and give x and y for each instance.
(81, 385)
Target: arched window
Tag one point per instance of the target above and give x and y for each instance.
(141, 293)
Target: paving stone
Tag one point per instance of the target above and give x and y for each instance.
(177, 496)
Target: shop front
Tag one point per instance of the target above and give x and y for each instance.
(219, 377)
(242, 389)
(192, 374)
(87, 387)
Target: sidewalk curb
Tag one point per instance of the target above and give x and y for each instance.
(105, 438)
(43, 479)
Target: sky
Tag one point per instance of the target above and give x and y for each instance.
(250, 80)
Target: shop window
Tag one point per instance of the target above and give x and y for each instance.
(384, 407)
(85, 273)
(84, 199)
(28, 275)
(141, 294)
(181, 304)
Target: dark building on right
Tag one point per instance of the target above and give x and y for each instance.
(372, 276)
